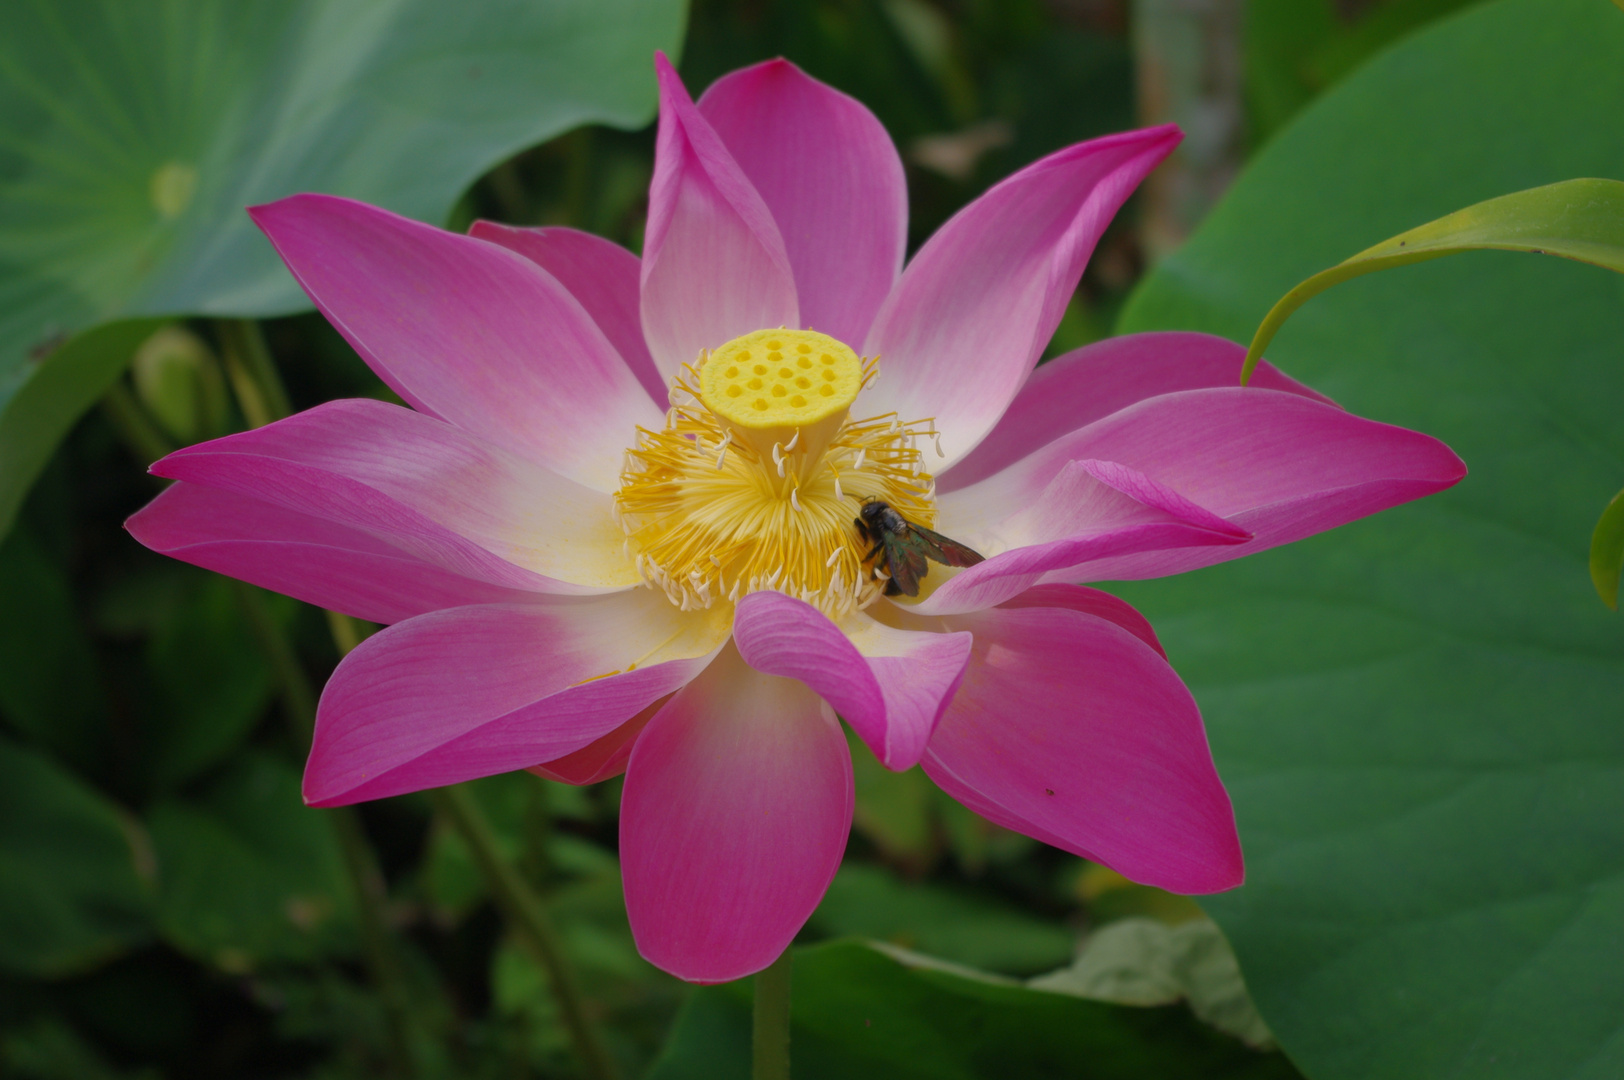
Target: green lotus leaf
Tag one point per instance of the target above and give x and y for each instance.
(1418, 715)
(133, 133)
(1581, 220)
(862, 1011)
(75, 870)
(1607, 551)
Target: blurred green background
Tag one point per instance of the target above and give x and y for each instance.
(169, 908)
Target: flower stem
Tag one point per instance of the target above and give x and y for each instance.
(253, 375)
(366, 881)
(263, 399)
(134, 424)
(529, 921)
(769, 1057)
(347, 632)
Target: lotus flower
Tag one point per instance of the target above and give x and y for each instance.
(615, 530)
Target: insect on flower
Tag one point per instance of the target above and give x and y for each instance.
(905, 547)
(613, 528)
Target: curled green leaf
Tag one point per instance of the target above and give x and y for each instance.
(1607, 549)
(1576, 219)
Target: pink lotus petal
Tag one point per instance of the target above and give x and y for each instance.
(602, 759)
(714, 265)
(468, 692)
(1091, 602)
(427, 488)
(1277, 464)
(974, 309)
(833, 180)
(890, 685)
(1071, 729)
(1090, 510)
(600, 274)
(1091, 383)
(467, 331)
(317, 561)
(972, 799)
(737, 805)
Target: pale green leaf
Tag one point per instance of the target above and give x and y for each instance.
(1143, 961)
(1607, 549)
(1581, 220)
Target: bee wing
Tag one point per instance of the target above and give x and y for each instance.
(905, 560)
(945, 551)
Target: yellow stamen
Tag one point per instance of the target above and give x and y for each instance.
(731, 498)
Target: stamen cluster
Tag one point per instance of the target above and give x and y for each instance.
(711, 514)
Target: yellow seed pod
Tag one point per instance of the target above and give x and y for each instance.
(780, 379)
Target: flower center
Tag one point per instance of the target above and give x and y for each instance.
(757, 478)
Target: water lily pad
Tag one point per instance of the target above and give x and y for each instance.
(132, 134)
(859, 1012)
(1418, 716)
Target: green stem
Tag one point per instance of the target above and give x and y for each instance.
(769, 1050)
(533, 860)
(347, 631)
(366, 881)
(530, 922)
(134, 425)
(263, 399)
(260, 393)
(253, 375)
(298, 698)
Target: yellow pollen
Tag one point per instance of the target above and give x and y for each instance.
(730, 498)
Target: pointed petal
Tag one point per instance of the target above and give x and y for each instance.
(1090, 510)
(1089, 384)
(1073, 730)
(714, 265)
(601, 275)
(737, 805)
(425, 487)
(317, 561)
(468, 692)
(963, 328)
(833, 180)
(1279, 465)
(602, 758)
(467, 331)
(890, 685)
